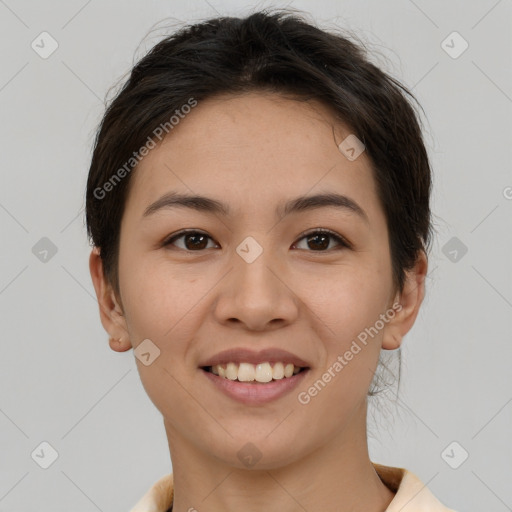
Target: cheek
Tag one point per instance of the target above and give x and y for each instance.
(159, 306)
(349, 307)
(345, 300)
(156, 298)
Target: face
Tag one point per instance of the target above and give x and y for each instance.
(254, 275)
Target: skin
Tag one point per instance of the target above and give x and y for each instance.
(254, 152)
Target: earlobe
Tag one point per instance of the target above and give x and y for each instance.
(111, 313)
(119, 345)
(410, 300)
(391, 339)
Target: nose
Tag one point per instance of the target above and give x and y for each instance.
(256, 295)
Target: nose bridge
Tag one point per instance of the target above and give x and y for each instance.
(255, 293)
(255, 268)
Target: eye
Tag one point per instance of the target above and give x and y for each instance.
(197, 240)
(320, 239)
(193, 240)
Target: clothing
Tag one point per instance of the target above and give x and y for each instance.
(411, 494)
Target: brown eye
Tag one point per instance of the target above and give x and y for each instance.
(319, 240)
(192, 240)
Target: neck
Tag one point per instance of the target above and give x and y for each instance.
(337, 476)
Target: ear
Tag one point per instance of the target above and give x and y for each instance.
(406, 304)
(111, 313)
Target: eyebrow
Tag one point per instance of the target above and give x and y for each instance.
(213, 206)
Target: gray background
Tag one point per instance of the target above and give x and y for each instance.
(59, 381)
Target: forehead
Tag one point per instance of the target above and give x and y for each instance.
(253, 148)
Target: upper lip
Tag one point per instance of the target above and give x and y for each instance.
(243, 355)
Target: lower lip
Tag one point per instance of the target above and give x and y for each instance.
(256, 393)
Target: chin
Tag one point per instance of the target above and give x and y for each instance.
(257, 452)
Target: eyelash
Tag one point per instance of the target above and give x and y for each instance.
(341, 241)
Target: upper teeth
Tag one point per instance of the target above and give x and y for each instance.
(247, 372)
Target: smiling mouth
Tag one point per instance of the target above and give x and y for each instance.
(255, 373)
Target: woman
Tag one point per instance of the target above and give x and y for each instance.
(258, 203)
